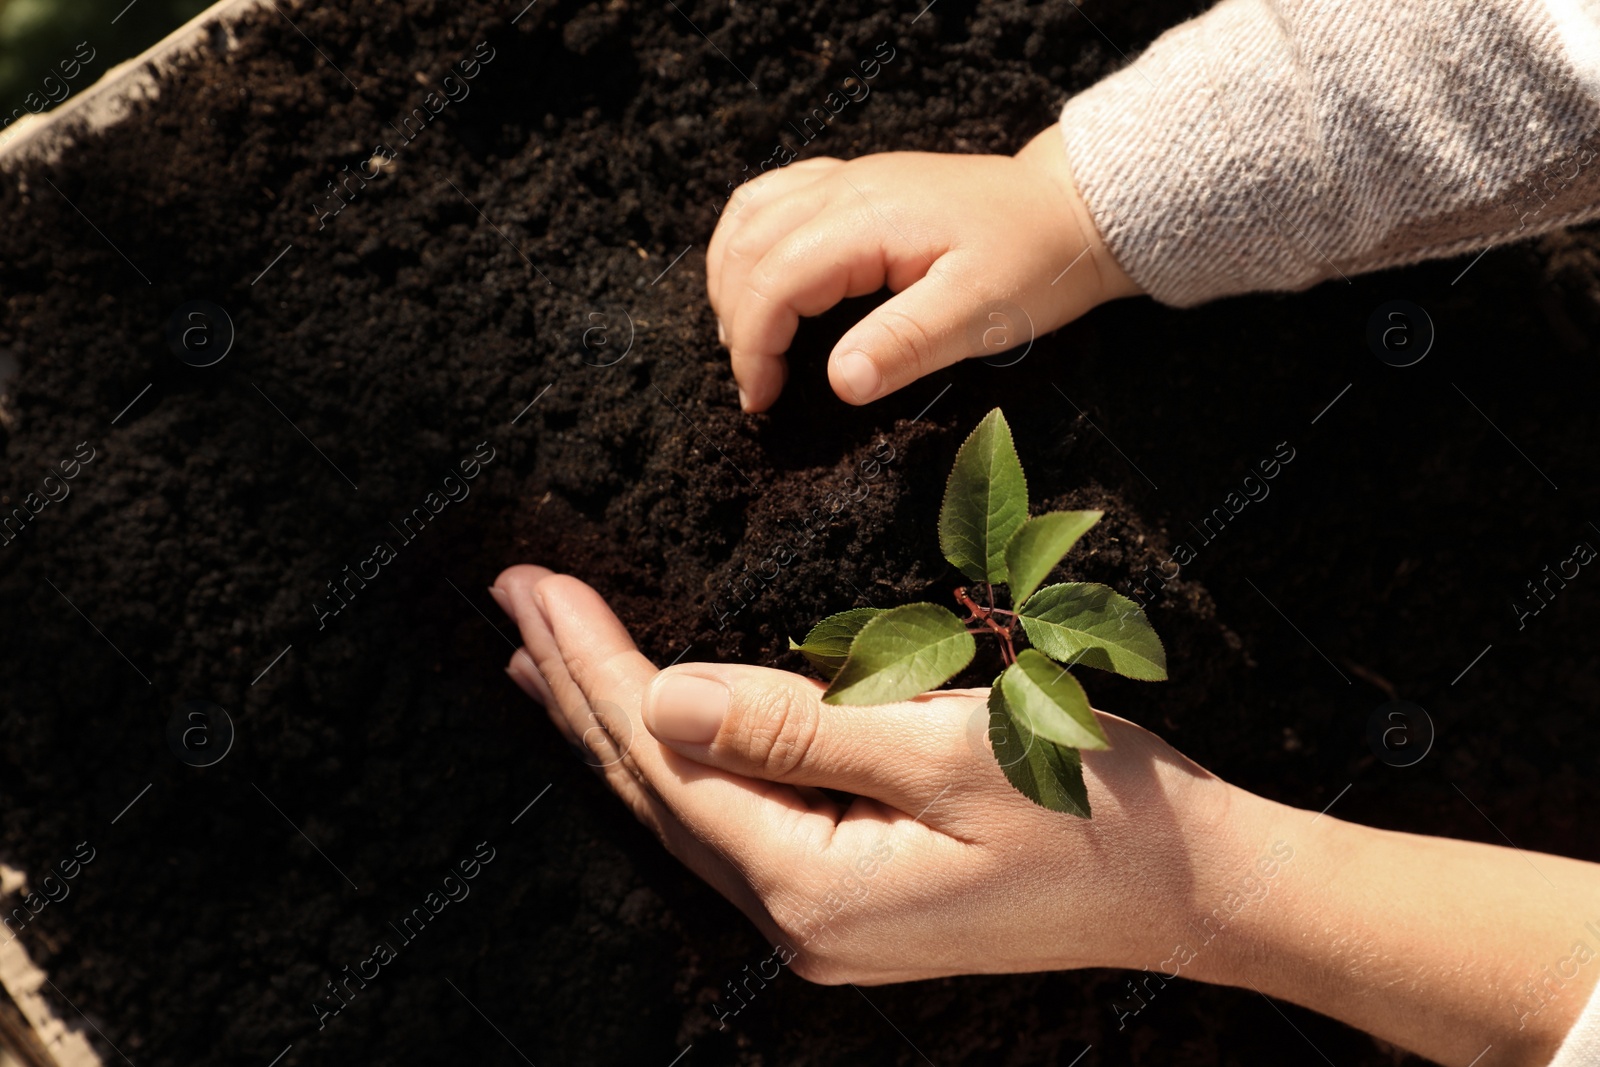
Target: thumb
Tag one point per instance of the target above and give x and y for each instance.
(772, 725)
(935, 322)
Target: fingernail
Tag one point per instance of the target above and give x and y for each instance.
(744, 400)
(525, 685)
(503, 600)
(722, 334)
(860, 375)
(686, 708)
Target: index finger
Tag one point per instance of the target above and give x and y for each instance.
(586, 655)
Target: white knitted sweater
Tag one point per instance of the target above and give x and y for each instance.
(1582, 1046)
(1273, 144)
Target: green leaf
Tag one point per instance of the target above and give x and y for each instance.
(828, 643)
(1039, 545)
(1050, 702)
(901, 653)
(1048, 774)
(1082, 622)
(985, 501)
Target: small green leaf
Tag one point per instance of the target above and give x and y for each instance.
(901, 653)
(1048, 774)
(1083, 622)
(1050, 702)
(1039, 545)
(985, 501)
(828, 643)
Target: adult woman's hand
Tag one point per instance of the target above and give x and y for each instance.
(937, 866)
(1466, 953)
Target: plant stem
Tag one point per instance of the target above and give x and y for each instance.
(984, 618)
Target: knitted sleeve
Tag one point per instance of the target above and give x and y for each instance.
(1582, 1046)
(1274, 144)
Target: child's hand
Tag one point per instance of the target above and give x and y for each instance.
(957, 237)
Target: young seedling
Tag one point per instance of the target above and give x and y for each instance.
(1039, 717)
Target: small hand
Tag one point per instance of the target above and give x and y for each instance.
(936, 866)
(959, 238)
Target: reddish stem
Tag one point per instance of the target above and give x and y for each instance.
(984, 617)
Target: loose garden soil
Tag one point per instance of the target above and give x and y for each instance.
(413, 329)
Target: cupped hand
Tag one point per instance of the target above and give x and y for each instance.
(934, 864)
(983, 253)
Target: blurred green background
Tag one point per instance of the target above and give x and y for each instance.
(36, 35)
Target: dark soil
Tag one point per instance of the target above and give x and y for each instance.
(600, 141)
